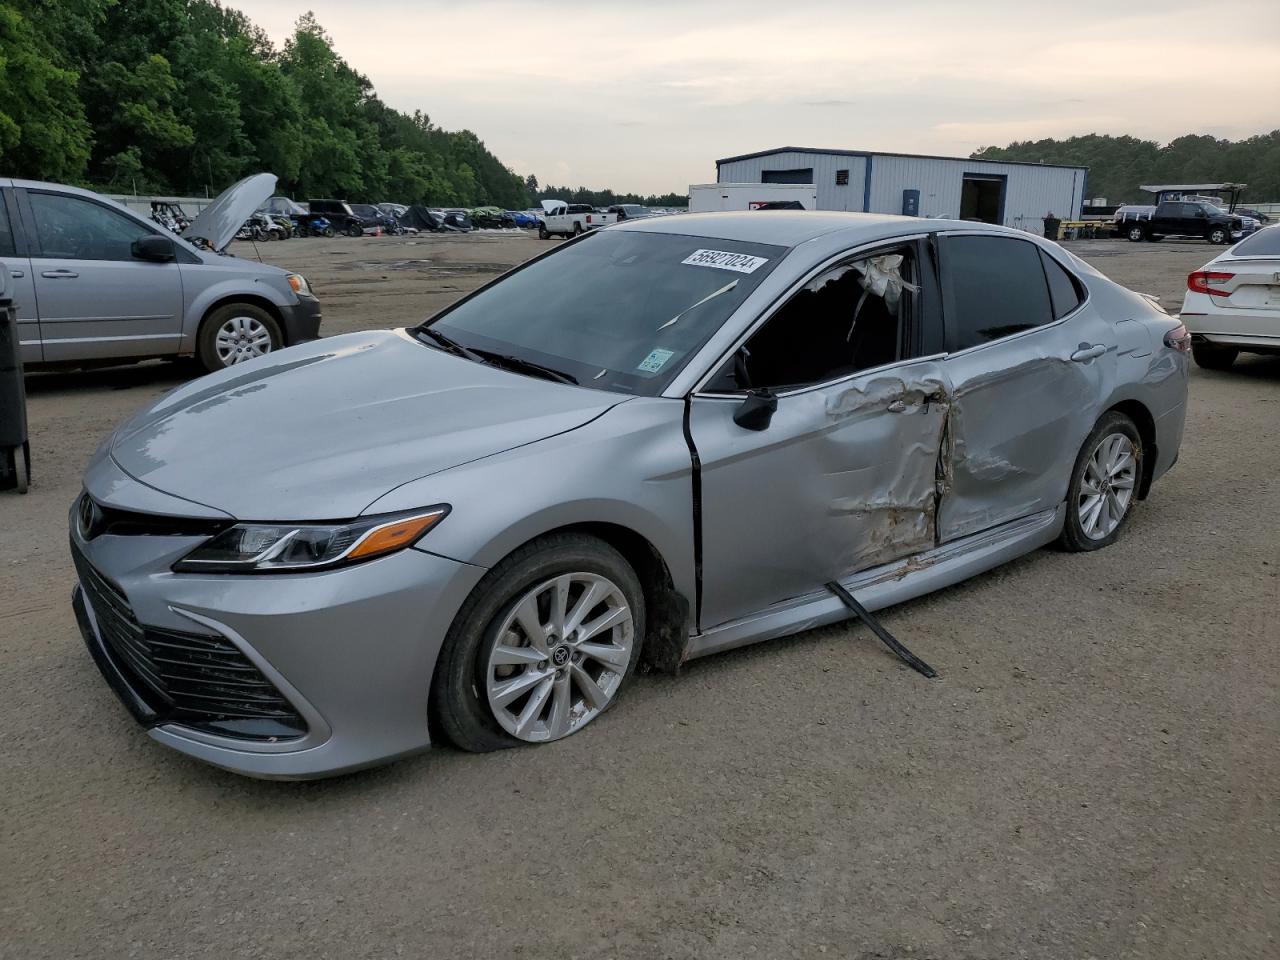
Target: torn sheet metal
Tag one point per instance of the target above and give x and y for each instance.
(849, 478)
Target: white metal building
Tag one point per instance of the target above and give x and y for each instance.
(1013, 194)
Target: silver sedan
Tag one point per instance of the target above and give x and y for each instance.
(659, 441)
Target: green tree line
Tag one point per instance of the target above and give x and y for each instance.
(186, 96)
(1118, 166)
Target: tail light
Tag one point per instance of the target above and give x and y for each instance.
(588, 218)
(1178, 338)
(1207, 281)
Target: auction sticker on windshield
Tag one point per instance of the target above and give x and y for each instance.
(654, 361)
(724, 260)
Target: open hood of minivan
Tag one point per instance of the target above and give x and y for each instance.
(218, 222)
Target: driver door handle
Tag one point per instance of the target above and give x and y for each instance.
(1087, 353)
(60, 274)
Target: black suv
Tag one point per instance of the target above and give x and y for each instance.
(1183, 218)
(340, 214)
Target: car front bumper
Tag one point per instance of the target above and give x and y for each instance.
(301, 320)
(351, 650)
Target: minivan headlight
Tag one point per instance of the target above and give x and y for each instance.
(298, 283)
(293, 547)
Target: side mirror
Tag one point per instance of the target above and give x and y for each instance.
(153, 247)
(757, 410)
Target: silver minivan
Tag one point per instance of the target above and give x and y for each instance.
(94, 282)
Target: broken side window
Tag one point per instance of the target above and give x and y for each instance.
(852, 317)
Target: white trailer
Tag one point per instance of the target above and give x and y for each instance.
(713, 197)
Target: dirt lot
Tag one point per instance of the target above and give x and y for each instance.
(1095, 775)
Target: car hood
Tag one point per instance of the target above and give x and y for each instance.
(218, 222)
(321, 430)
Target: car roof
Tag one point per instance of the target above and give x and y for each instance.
(790, 228)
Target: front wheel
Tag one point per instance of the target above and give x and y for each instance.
(1104, 484)
(1136, 234)
(542, 233)
(235, 333)
(1218, 235)
(1212, 357)
(542, 646)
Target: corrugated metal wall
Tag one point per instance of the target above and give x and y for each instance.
(825, 165)
(1030, 193)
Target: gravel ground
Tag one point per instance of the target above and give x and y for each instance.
(1095, 775)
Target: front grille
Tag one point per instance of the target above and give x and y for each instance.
(198, 681)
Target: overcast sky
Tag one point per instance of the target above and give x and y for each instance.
(646, 95)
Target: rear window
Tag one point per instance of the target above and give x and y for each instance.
(1264, 243)
(1062, 287)
(617, 310)
(6, 234)
(997, 288)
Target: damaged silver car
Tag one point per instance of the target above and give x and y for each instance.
(659, 441)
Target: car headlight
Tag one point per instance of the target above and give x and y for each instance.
(298, 283)
(292, 547)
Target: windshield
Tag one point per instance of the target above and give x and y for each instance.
(617, 310)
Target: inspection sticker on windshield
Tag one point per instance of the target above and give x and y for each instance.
(654, 361)
(723, 260)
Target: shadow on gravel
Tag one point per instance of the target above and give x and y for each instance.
(150, 373)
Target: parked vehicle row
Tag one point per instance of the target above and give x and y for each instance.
(571, 219)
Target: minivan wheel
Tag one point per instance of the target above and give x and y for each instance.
(1136, 234)
(1212, 357)
(1104, 484)
(235, 333)
(541, 647)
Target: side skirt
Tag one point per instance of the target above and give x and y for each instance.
(887, 585)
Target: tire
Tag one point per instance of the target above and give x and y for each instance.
(460, 688)
(542, 233)
(248, 331)
(577, 229)
(1136, 234)
(1219, 236)
(1091, 527)
(1212, 357)
(327, 232)
(354, 231)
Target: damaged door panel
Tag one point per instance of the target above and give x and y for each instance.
(842, 479)
(1027, 386)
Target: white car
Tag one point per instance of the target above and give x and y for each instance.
(1233, 302)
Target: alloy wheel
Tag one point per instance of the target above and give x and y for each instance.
(1107, 487)
(240, 339)
(560, 656)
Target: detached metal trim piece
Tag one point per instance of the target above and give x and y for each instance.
(876, 627)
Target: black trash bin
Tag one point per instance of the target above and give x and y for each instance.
(1051, 226)
(15, 454)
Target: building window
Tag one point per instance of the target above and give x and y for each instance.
(842, 178)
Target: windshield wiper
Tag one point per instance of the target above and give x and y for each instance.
(449, 344)
(528, 366)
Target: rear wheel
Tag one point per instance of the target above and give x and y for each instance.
(1104, 484)
(577, 229)
(235, 333)
(1136, 234)
(1212, 357)
(542, 647)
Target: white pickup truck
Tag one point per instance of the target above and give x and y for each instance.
(570, 219)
